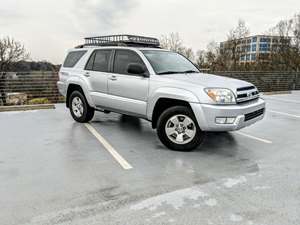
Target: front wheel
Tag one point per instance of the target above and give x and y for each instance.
(79, 108)
(178, 129)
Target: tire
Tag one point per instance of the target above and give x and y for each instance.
(79, 108)
(188, 135)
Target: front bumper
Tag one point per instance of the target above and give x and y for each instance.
(206, 115)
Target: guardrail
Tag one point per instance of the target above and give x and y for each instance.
(29, 88)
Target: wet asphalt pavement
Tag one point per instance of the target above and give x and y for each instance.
(55, 171)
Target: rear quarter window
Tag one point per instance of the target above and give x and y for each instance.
(73, 58)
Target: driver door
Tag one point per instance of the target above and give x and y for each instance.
(128, 93)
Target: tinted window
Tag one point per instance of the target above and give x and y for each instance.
(73, 58)
(123, 58)
(90, 63)
(101, 62)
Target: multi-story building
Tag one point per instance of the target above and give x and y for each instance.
(254, 48)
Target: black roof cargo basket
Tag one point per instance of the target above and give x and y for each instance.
(122, 40)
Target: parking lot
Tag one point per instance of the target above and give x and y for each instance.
(115, 171)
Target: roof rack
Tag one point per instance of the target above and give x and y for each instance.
(122, 40)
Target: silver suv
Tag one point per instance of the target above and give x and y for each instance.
(132, 75)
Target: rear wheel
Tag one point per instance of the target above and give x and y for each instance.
(79, 108)
(178, 129)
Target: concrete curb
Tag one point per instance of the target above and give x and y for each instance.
(26, 107)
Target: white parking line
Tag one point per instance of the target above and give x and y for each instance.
(253, 137)
(109, 148)
(285, 114)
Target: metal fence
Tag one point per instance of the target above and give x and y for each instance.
(29, 88)
(267, 81)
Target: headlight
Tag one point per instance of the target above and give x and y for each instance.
(221, 95)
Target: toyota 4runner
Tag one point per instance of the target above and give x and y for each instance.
(132, 75)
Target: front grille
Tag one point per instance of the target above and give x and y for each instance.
(246, 94)
(254, 114)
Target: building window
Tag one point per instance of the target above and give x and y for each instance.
(264, 47)
(243, 58)
(265, 39)
(254, 48)
(253, 57)
(254, 39)
(248, 57)
(248, 48)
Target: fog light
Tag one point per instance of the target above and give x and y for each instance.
(221, 120)
(225, 120)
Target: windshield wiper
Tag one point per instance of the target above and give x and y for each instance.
(190, 71)
(168, 72)
(176, 72)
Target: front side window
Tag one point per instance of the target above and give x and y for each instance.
(165, 62)
(73, 58)
(125, 57)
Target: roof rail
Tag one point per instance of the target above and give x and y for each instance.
(121, 40)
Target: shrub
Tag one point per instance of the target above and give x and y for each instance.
(36, 101)
(61, 99)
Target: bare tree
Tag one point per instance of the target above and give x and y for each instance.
(172, 42)
(201, 59)
(295, 43)
(211, 54)
(240, 31)
(233, 40)
(286, 55)
(11, 51)
(188, 53)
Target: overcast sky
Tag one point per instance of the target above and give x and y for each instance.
(49, 27)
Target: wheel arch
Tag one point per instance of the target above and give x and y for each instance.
(75, 86)
(164, 103)
(165, 97)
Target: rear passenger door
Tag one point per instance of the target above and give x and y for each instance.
(96, 71)
(128, 92)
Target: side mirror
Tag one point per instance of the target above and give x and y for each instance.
(137, 69)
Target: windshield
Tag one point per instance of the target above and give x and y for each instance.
(165, 62)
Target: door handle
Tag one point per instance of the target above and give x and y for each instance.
(87, 74)
(113, 77)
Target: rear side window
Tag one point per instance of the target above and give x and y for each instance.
(73, 58)
(123, 58)
(99, 61)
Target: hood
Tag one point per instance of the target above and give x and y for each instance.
(206, 80)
